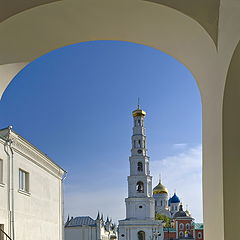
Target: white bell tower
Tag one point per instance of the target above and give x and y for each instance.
(140, 202)
(140, 223)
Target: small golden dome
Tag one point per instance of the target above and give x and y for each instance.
(160, 189)
(138, 113)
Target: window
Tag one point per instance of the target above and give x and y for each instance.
(140, 187)
(139, 143)
(141, 235)
(139, 122)
(23, 180)
(181, 226)
(140, 166)
(199, 235)
(1, 171)
(181, 235)
(188, 226)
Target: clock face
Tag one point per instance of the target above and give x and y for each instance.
(139, 151)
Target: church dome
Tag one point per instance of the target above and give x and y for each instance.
(160, 189)
(174, 199)
(138, 113)
(180, 213)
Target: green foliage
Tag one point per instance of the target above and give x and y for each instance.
(167, 220)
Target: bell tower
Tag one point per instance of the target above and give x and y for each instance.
(140, 202)
(140, 223)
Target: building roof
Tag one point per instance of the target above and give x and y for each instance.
(198, 226)
(181, 213)
(174, 199)
(169, 229)
(160, 189)
(81, 221)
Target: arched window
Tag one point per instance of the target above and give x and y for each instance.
(140, 166)
(141, 235)
(181, 235)
(139, 143)
(181, 226)
(139, 122)
(199, 235)
(188, 226)
(140, 187)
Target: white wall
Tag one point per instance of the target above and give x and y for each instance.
(37, 214)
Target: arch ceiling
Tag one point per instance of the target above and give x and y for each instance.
(13, 7)
(205, 12)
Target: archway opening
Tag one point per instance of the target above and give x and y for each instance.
(91, 89)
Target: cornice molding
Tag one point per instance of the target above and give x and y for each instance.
(25, 149)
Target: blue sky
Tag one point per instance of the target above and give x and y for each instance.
(75, 104)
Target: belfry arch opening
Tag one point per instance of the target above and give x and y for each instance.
(92, 108)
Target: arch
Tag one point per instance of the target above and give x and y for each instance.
(141, 235)
(231, 143)
(140, 166)
(181, 234)
(134, 21)
(181, 226)
(140, 187)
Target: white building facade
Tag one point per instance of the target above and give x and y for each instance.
(85, 228)
(140, 223)
(31, 191)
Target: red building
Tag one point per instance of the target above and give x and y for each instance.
(183, 227)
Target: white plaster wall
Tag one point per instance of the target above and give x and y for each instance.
(4, 190)
(80, 233)
(130, 230)
(38, 215)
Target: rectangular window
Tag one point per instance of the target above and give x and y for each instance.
(1, 171)
(23, 180)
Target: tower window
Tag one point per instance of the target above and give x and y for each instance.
(188, 226)
(140, 187)
(141, 235)
(139, 143)
(140, 166)
(140, 206)
(139, 122)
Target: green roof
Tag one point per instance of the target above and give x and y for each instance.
(198, 226)
(169, 229)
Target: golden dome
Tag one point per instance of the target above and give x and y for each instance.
(138, 113)
(159, 189)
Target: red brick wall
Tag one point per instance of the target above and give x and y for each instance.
(184, 222)
(196, 236)
(169, 235)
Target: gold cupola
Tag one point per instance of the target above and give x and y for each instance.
(138, 112)
(160, 189)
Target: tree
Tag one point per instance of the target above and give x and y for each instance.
(166, 219)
